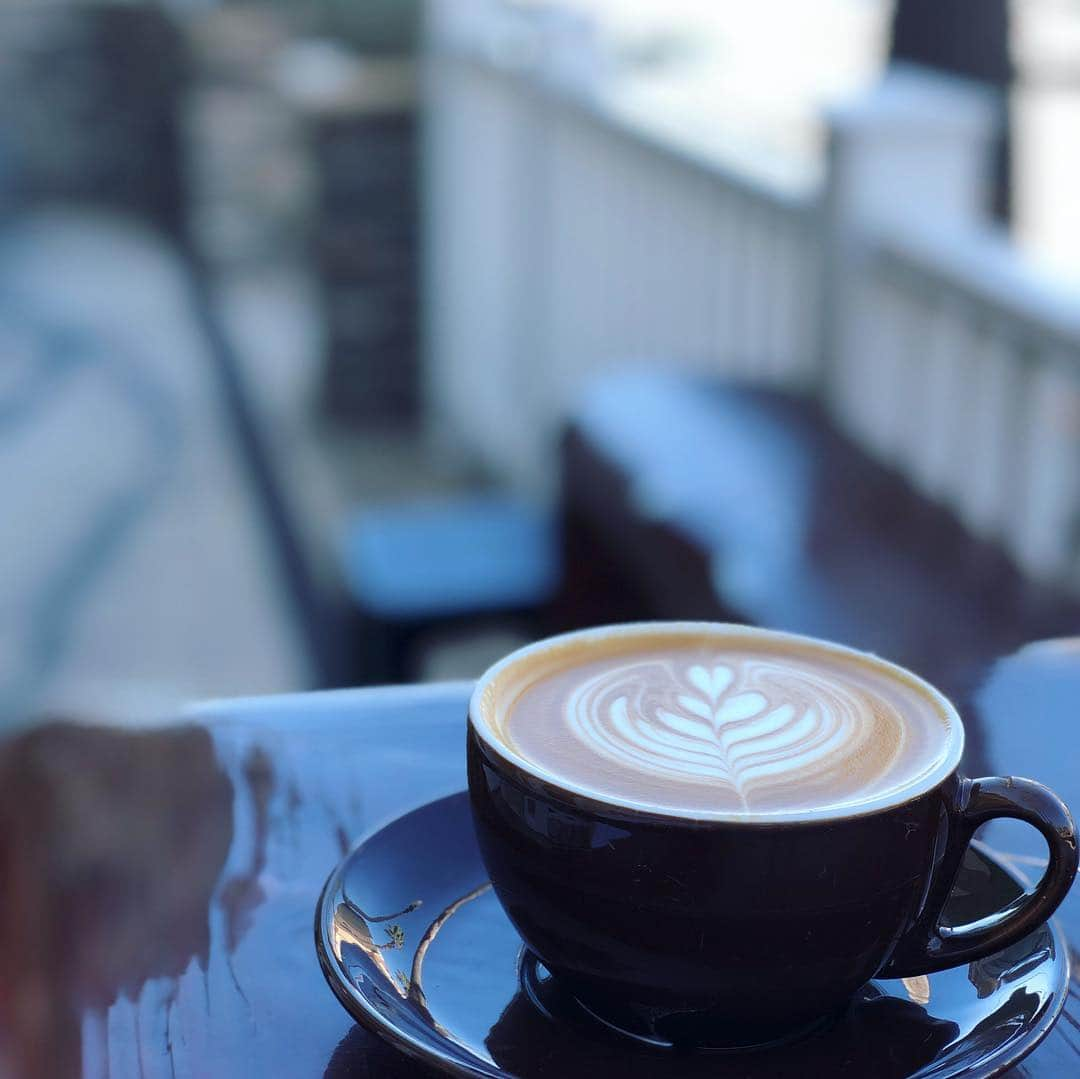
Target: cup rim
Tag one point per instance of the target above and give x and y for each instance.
(931, 778)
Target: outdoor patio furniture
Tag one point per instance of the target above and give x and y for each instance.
(417, 568)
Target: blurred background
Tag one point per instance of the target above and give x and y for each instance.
(353, 342)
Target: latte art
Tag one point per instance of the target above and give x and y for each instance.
(742, 724)
(757, 730)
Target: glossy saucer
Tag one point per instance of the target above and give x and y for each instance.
(416, 947)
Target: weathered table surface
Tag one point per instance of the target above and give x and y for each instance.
(157, 887)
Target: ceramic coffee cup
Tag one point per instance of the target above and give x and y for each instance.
(756, 926)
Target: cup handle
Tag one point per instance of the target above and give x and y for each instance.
(930, 946)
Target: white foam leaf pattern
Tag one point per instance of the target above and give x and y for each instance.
(761, 726)
(743, 706)
(697, 706)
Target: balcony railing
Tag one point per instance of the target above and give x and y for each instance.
(565, 238)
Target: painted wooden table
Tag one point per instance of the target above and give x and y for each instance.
(158, 886)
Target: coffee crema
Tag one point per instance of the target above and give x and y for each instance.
(740, 722)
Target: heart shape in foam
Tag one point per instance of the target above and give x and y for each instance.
(711, 682)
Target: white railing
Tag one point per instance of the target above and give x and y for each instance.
(968, 380)
(564, 238)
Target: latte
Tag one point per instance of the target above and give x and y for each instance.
(720, 720)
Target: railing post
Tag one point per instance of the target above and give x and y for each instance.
(915, 147)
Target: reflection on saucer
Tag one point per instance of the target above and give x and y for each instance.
(542, 1014)
(352, 927)
(1011, 964)
(917, 989)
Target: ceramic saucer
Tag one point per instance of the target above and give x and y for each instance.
(416, 947)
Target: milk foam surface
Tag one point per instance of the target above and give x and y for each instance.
(740, 725)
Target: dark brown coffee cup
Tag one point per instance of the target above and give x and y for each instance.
(756, 928)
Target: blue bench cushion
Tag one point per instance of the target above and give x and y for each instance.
(451, 556)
